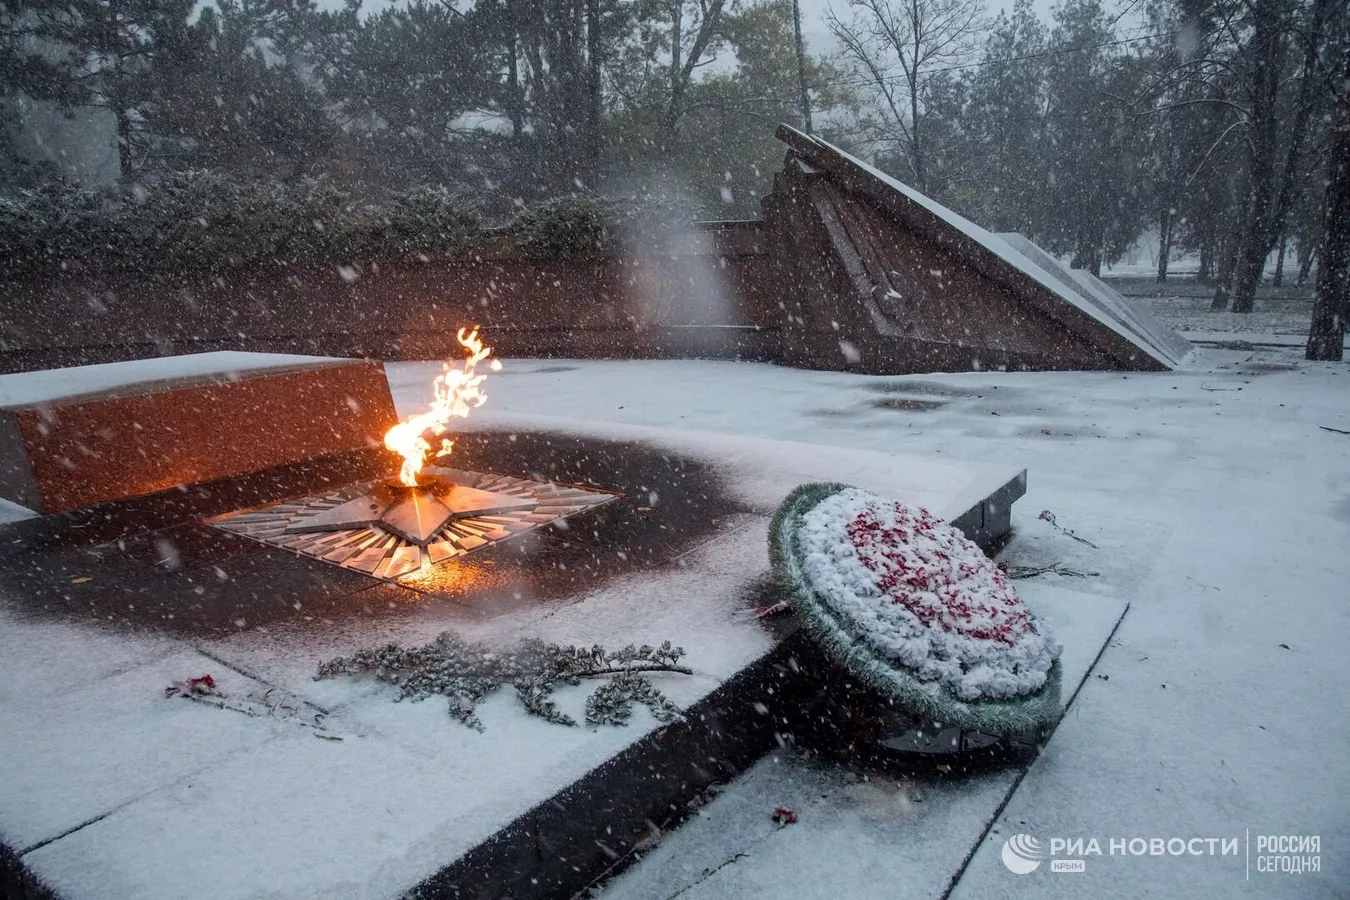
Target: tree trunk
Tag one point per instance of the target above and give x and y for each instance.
(1326, 337)
(916, 150)
(1223, 278)
(801, 67)
(124, 142)
(1306, 255)
(682, 71)
(1278, 280)
(1086, 255)
(595, 108)
(1205, 273)
(672, 113)
(516, 109)
(1226, 229)
(1256, 240)
(1164, 242)
(110, 49)
(1303, 108)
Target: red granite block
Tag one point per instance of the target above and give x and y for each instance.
(59, 453)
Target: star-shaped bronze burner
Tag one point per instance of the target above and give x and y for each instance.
(386, 529)
(416, 514)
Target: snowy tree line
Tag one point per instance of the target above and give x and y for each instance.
(510, 100)
(1207, 122)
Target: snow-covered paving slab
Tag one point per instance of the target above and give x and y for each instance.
(1217, 506)
(382, 796)
(1221, 713)
(1234, 507)
(99, 745)
(879, 836)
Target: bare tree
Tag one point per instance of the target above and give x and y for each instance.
(897, 45)
(1262, 34)
(694, 30)
(1266, 52)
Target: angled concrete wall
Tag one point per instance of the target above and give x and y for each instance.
(879, 278)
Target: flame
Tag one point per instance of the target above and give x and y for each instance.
(456, 392)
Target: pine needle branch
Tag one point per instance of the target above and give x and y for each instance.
(465, 672)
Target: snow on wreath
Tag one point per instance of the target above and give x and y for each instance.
(915, 609)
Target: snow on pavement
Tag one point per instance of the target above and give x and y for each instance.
(101, 777)
(1225, 706)
(874, 837)
(1219, 510)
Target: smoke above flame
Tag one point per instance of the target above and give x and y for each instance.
(456, 391)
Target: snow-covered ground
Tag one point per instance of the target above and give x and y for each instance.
(1222, 513)
(1282, 314)
(1219, 510)
(108, 789)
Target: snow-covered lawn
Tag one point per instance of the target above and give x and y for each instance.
(1221, 511)
(1283, 312)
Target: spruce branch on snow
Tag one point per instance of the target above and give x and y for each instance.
(465, 672)
(612, 703)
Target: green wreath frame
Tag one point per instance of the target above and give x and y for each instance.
(929, 700)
